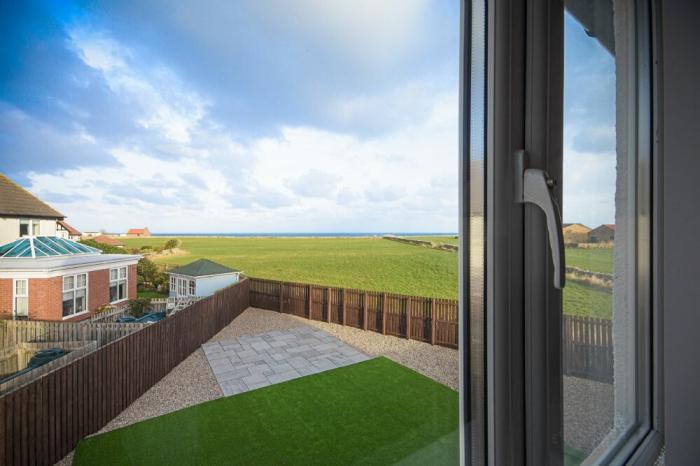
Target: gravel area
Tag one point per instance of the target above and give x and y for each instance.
(588, 412)
(178, 389)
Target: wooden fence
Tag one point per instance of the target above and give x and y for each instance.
(42, 421)
(13, 332)
(431, 320)
(587, 349)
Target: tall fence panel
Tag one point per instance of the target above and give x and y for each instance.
(414, 317)
(42, 421)
(587, 348)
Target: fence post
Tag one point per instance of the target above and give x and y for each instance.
(408, 318)
(281, 297)
(364, 310)
(383, 313)
(308, 301)
(328, 305)
(433, 324)
(342, 318)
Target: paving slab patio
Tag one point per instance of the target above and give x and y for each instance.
(254, 361)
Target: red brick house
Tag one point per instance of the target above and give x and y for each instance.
(51, 278)
(44, 274)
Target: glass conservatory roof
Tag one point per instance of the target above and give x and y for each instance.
(44, 246)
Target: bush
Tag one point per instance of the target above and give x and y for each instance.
(146, 248)
(172, 243)
(103, 247)
(139, 306)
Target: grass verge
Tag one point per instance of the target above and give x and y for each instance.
(374, 412)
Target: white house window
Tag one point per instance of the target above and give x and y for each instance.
(21, 297)
(182, 287)
(173, 283)
(74, 294)
(192, 287)
(29, 227)
(117, 284)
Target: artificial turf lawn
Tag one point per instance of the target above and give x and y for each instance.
(374, 412)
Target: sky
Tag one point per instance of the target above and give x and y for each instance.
(248, 116)
(589, 129)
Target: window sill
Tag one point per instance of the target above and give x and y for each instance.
(119, 301)
(75, 315)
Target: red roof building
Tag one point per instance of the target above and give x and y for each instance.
(138, 232)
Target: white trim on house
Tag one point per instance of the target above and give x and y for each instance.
(15, 296)
(75, 290)
(204, 276)
(117, 281)
(49, 267)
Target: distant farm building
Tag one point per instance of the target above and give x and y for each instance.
(108, 240)
(138, 232)
(603, 234)
(575, 233)
(201, 278)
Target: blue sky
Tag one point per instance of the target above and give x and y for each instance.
(589, 129)
(248, 116)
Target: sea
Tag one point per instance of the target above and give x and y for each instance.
(307, 234)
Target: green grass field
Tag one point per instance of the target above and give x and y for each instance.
(370, 263)
(595, 260)
(375, 412)
(365, 263)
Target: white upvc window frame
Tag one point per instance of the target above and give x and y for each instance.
(33, 227)
(192, 287)
(74, 288)
(117, 278)
(15, 295)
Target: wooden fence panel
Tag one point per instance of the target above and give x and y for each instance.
(42, 421)
(587, 348)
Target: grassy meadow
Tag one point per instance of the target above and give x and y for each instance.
(364, 263)
(370, 263)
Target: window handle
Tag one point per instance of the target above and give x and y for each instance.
(534, 186)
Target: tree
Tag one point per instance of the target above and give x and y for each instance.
(172, 243)
(149, 276)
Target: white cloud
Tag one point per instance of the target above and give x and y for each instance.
(164, 104)
(189, 172)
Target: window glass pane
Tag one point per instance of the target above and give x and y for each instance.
(82, 280)
(113, 274)
(68, 282)
(21, 287)
(122, 272)
(192, 286)
(599, 334)
(22, 306)
(80, 304)
(113, 293)
(68, 304)
(23, 228)
(122, 290)
(35, 228)
(474, 225)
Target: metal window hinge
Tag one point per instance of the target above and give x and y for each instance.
(534, 186)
